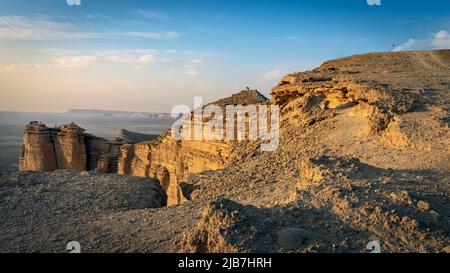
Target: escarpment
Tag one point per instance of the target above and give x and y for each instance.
(364, 155)
(66, 147)
(392, 83)
(171, 160)
(167, 159)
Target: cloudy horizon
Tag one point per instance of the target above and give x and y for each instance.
(151, 55)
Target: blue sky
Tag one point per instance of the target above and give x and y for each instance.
(150, 55)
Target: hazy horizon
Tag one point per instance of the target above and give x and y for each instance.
(148, 56)
(80, 109)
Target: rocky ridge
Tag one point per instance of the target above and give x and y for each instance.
(161, 157)
(66, 147)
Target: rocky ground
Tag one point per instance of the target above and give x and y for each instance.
(42, 212)
(364, 155)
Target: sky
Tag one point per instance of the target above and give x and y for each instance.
(152, 55)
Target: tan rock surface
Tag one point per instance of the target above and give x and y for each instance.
(66, 147)
(38, 149)
(171, 161)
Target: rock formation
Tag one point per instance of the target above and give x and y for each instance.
(364, 155)
(171, 161)
(167, 159)
(66, 147)
(38, 148)
(133, 137)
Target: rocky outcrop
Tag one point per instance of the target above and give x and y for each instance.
(384, 85)
(164, 158)
(70, 148)
(66, 147)
(364, 155)
(133, 137)
(171, 161)
(38, 148)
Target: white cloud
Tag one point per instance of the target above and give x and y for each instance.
(197, 61)
(191, 72)
(150, 14)
(38, 28)
(73, 2)
(440, 40)
(411, 43)
(76, 61)
(273, 75)
(21, 67)
(146, 59)
(63, 59)
(127, 56)
(163, 35)
(42, 28)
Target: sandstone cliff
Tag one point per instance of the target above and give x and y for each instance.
(171, 161)
(364, 155)
(66, 147)
(165, 158)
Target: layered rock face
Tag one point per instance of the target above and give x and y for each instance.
(38, 149)
(66, 147)
(383, 87)
(364, 155)
(171, 161)
(165, 158)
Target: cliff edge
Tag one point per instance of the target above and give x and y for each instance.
(364, 156)
(66, 147)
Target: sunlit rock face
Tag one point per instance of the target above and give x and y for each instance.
(167, 159)
(171, 161)
(66, 147)
(38, 149)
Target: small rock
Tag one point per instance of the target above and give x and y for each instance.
(293, 237)
(446, 249)
(422, 205)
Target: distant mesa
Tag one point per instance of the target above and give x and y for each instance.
(133, 137)
(113, 113)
